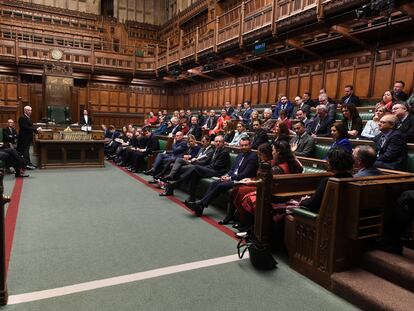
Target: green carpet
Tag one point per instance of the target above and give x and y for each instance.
(81, 225)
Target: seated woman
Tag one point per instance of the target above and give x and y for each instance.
(371, 129)
(281, 131)
(284, 118)
(220, 123)
(239, 134)
(340, 164)
(388, 100)
(253, 117)
(352, 120)
(282, 160)
(228, 131)
(340, 136)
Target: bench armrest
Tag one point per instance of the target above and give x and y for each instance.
(304, 213)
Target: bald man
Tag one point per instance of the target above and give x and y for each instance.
(390, 144)
(26, 130)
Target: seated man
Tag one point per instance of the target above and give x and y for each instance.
(329, 104)
(301, 116)
(349, 97)
(194, 129)
(302, 144)
(260, 136)
(10, 134)
(321, 124)
(405, 121)
(364, 157)
(245, 166)
(203, 157)
(217, 166)
(191, 153)
(12, 158)
(179, 148)
(110, 144)
(143, 146)
(284, 104)
(390, 144)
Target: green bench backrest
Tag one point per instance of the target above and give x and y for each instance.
(321, 151)
(1, 135)
(366, 115)
(309, 170)
(233, 157)
(163, 144)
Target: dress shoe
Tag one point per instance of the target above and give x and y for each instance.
(226, 220)
(153, 181)
(149, 172)
(197, 207)
(30, 167)
(6, 199)
(168, 191)
(21, 175)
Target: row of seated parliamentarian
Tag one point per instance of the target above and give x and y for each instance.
(352, 214)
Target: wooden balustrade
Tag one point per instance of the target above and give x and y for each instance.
(233, 25)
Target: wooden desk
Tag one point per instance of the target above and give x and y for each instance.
(70, 153)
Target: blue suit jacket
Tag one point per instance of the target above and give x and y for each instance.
(246, 115)
(179, 148)
(248, 167)
(289, 110)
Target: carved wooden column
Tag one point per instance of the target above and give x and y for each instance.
(3, 273)
(262, 219)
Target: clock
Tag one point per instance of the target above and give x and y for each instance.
(56, 54)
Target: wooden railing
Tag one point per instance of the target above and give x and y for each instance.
(229, 28)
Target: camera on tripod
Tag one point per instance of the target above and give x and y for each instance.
(375, 8)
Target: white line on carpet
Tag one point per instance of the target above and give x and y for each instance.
(123, 279)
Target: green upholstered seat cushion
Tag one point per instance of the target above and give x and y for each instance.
(163, 144)
(309, 170)
(304, 213)
(321, 151)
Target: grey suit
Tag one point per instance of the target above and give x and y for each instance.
(370, 171)
(305, 145)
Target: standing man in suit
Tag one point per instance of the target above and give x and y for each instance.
(364, 160)
(321, 124)
(302, 144)
(10, 134)
(245, 166)
(405, 121)
(390, 144)
(349, 97)
(260, 135)
(26, 136)
(216, 166)
(85, 119)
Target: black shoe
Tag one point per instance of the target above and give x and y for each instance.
(197, 207)
(166, 178)
(149, 172)
(168, 191)
(30, 167)
(21, 175)
(226, 220)
(153, 181)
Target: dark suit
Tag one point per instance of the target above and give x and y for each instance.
(195, 130)
(392, 152)
(350, 100)
(407, 128)
(216, 167)
(211, 122)
(10, 136)
(82, 120)
(12, 158)
(230, 111)
(150, 144)
(304, 107)
(25, 137)
(247, 115)
(320, 127)
(245, 166)
(178, 151)
(305, 145)
(331, 107)
(260, 137)
(401, 96)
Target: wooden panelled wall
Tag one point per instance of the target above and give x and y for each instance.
(370, 74)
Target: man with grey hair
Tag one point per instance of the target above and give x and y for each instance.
(330, 106)
(321, 124)
(391, 146)
(364, 158)
(268, 122)
(26, 130)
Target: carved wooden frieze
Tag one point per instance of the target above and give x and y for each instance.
(363, 59)
(347, 62)
(383, 56)
(332, 64)
(405, 52)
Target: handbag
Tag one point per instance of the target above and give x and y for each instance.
(259, 254)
